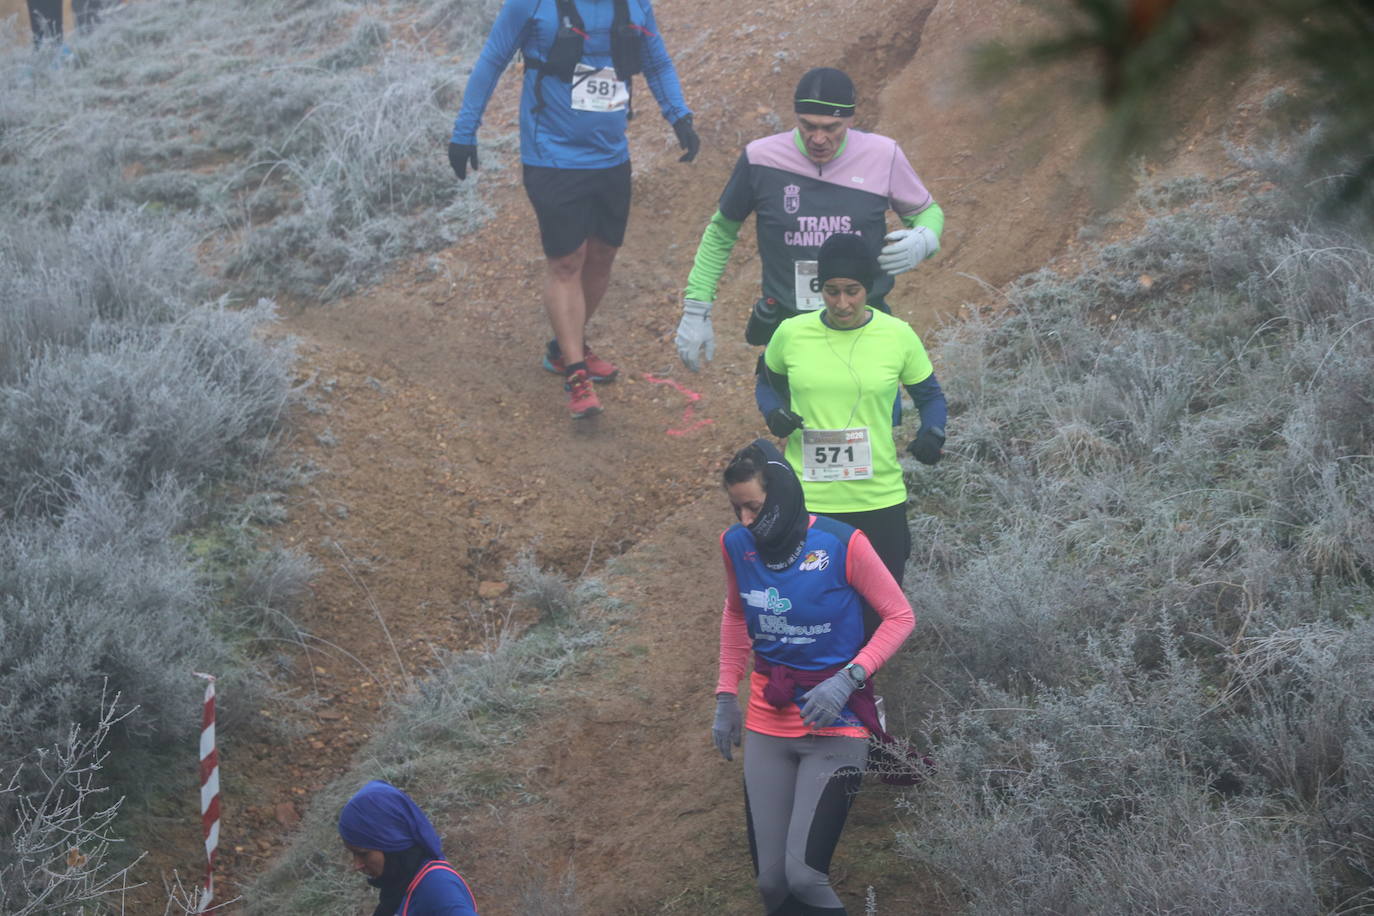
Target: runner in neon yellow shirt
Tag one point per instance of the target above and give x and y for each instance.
(831, 377)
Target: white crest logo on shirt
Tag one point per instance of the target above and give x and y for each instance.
(791, 198)
(816, 559)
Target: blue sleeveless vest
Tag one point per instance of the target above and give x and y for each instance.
(807, 616)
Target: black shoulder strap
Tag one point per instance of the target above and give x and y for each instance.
(568, 10)
(560, 60)
(627, 43)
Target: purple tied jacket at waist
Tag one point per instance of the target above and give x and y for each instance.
(901, 766)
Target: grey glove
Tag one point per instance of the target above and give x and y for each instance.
(694, 334)
(725, 731)
(906, 248)
(826, 700)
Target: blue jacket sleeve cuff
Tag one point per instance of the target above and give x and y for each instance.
(930, 401)
(765, 395)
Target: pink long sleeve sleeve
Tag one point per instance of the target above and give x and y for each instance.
(871, 579)
(735, 644)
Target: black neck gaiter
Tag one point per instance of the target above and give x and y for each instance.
(780, 529)
(400, 867)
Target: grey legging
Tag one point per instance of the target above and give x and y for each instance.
(797, 793)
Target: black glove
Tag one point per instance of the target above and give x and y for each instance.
(686, 138)
(925, 448)
(782, 422)
(459, 155)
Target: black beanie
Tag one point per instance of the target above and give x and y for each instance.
(845, 254)
(825, 91)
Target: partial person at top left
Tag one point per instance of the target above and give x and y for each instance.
(45, 18)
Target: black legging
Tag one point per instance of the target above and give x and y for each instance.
(45, 18)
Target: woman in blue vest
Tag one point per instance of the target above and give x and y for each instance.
(394, 844)
(796, 585)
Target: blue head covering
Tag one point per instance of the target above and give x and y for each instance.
(381, 816)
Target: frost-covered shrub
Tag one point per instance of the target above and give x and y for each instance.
(56, 825)
(59, 286)
(305, 142)
(1102, 797)
(135, 397)
(1308, 731)
(139, 405)
(271, 586)
(102, 595)
(1181, 851)
(125, 401)
(362, 164)
(464, 23)
(1146, 576)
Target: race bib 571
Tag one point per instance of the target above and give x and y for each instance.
(836, 454)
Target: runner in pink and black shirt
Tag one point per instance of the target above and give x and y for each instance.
(804, 185)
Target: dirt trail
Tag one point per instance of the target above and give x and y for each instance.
(445, 449)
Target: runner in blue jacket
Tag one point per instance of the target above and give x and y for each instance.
(581, 57)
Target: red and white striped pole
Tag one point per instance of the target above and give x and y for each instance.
(209, 791)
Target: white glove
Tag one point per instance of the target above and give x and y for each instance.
(694, 332)
(906, 248)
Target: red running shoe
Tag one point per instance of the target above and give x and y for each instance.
(598, 370)
(582, 400)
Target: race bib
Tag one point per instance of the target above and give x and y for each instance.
(808, 287)
(598, 90)
(836, 454)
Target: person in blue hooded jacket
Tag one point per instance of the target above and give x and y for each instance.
(581, 57)
(394, 844)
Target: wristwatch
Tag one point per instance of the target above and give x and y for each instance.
(857, 674)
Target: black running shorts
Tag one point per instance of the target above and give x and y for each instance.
(575, 204)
